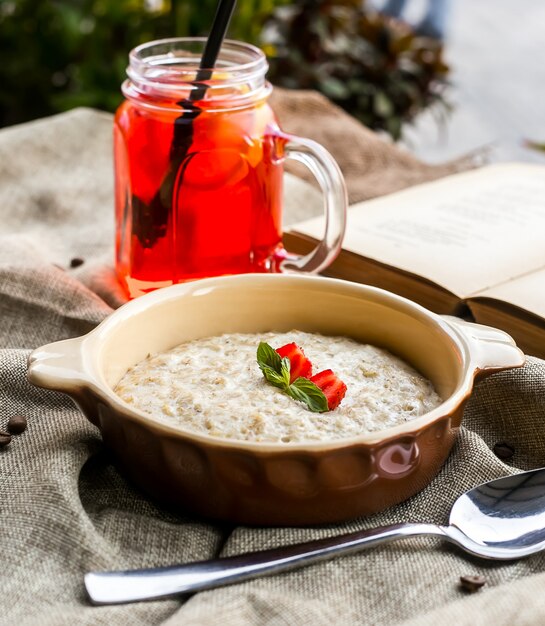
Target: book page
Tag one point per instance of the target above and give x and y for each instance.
(466, 232)
(526, 292)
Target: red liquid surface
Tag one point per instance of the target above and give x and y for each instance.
(222, 214)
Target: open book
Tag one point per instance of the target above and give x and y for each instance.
(468, 243)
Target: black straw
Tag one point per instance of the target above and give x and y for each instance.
(212, 48)
(150, 221)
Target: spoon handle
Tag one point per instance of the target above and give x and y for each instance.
(145, 584)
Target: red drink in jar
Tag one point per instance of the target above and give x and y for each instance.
(199, 168)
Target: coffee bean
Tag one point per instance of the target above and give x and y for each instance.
(472, 583)
(76, 261)
(5, 438)
(17, 424)
(504, 450)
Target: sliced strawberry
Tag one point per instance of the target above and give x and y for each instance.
(300, 365)
(332, 386)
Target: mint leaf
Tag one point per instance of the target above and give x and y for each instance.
(275, 368)
(269, 357)
(306, 391)
(276, 379)
(285, 370)
(276, 371)
(273, 377)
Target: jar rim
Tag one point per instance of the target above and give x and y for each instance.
(140, 62)
(169, 69)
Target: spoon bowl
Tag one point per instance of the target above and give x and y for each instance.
(503, 519)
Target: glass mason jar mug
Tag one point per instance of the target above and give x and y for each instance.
(198, 170)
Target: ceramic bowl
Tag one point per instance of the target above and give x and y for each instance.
(275, 483)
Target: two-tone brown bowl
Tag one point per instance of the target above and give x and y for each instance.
(275, 483)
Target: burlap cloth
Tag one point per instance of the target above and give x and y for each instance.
(64, 508)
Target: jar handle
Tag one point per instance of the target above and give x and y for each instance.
(329, 176)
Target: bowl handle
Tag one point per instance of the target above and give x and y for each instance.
(492, 350)
(57, 365)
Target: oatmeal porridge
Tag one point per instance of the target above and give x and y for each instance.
(214, 386)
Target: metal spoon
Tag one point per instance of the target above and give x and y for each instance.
(501, 519)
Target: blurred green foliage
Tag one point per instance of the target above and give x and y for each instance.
(59, 54)
(55, 55)
(535, 145)
(373, 66)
